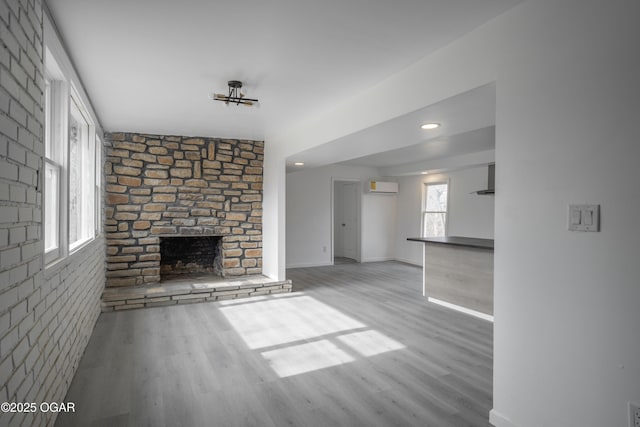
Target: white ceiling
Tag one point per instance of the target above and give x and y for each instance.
(467, 125)
(438, 148)
(151, 65)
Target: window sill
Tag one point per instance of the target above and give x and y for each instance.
(51, 258)
(80, 244)
(60, 259)
(54, 264)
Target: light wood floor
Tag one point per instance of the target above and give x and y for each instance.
(353, 345)
(343, 260)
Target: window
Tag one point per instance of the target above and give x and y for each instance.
(97, 221)
(72, 166)
(434, 211)
(54, 170)
(81, 177)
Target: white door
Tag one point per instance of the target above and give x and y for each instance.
(349, 223)
(338, 212)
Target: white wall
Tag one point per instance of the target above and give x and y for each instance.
(469, 215)
(309, 215)
(274, 212)
(387, 220)
(558, 89)
(566, 351)
(408, 220)
(378, 227)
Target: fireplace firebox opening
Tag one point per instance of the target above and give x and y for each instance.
(192, 254)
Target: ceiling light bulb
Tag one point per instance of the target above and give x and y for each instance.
(299, 163)
(429, 126)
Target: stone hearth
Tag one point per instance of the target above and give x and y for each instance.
(192, 290)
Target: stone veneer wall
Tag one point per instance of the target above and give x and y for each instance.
(181, 186)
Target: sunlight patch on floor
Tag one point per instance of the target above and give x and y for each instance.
(280, 321)
(300, 334)
(370, 343)
(298, 359)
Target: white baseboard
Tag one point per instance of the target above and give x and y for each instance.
(314, 264)
(379, 259)
(499, 420)
(465, 310)
(308, 264)
(410, 262)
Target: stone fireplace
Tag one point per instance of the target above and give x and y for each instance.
(180, 193)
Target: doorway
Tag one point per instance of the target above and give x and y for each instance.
(346, 221)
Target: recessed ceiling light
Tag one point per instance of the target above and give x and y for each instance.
(429, 126)
(425, 173)
(299, 163)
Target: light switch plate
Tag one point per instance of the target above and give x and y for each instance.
(584, 218)
(634, 415)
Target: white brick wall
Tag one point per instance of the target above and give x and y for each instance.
(46, 317)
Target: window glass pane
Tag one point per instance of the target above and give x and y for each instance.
(435, 224)
(47, 119)
(75, 172)
(80, 180)
(98, 186)
(88, 182)
(51, 207)
(435, 210)
(52, 177)
(436, 198)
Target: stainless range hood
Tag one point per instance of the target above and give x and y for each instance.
(491, 181)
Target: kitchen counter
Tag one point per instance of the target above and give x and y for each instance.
(458, 273)
(470, 242)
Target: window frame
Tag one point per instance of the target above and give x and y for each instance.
(56, 111)
(97, 222)
(425, 212)
(88, 172)
(59, 81)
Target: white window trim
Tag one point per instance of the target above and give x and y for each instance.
(61, 71)
(98, 186)
(54, 253)
(74, 97)
(423, 221)
(59, 134)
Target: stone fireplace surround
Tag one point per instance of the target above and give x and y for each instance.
(168, 186)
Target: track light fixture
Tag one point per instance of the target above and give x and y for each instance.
(235, 95)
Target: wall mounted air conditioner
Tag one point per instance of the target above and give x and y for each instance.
(381, 187)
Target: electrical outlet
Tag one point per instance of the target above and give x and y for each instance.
(634, 415)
